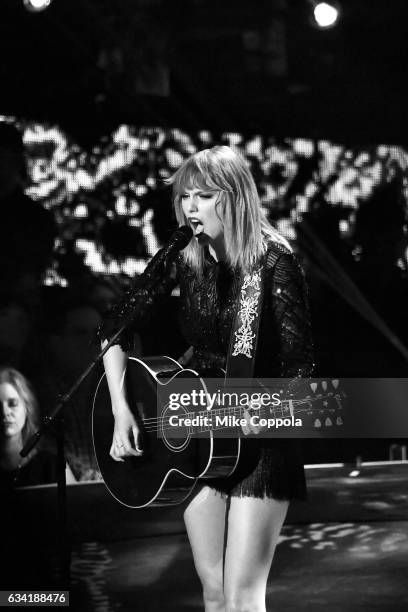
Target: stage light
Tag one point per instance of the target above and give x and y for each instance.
(325, 14)
(35, 6)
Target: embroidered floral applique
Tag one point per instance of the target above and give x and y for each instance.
(244, 336)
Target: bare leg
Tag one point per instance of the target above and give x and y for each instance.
(253, 530)
(205, 522)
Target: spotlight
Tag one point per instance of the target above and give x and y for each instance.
(325, 14)
(35, 6)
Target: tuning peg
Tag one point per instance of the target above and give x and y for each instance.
(317, 423)
(324, 385)
(325, 403)
(328, 422)
(313, 387)
(335, 383)
(339, 421)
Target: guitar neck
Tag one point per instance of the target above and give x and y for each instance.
(228, 418)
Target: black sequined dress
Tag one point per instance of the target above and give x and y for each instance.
(267, 467)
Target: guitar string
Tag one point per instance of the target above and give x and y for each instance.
(151, 427)
(152, 422)
(294, 402)
(190, 430)
(319, 397)
(270, 388)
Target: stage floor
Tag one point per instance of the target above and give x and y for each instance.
(317, 567)
(346, 549)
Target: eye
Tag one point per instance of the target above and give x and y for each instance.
(12, 403)
(208, 195)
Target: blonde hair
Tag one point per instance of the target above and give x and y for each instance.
(246, 229)
(26, 394)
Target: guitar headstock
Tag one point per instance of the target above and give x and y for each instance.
(324, 406)
(318, 403)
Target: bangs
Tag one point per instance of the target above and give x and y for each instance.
(192, 176)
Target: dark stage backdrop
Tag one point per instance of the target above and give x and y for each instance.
(114, 211)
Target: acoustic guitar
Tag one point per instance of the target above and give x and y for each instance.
(172, 462)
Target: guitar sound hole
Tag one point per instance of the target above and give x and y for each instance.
(175, 435)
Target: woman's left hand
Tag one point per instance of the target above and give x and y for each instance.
(251, 427)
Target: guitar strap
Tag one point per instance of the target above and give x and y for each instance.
(245, 330)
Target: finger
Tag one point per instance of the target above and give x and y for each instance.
(257, 428)
(128, 449)
(245, 426)
(253, 427)
(119, 447)
(113, 453)
(136, 438)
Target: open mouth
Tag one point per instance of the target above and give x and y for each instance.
(196, 225)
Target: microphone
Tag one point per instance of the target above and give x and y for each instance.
(139, 300)
(178, 241)
(180, 238)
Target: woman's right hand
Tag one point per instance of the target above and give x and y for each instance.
(127, 438)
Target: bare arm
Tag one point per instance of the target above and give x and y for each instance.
(134, 310)
(126, 439)
(114, 362)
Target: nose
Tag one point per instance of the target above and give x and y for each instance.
(4, 409)
(192, 204)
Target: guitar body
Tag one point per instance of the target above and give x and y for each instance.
(169, 468)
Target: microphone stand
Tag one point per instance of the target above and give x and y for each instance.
(178, 241)
(56, 415)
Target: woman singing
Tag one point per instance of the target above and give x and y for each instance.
(215, 194)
